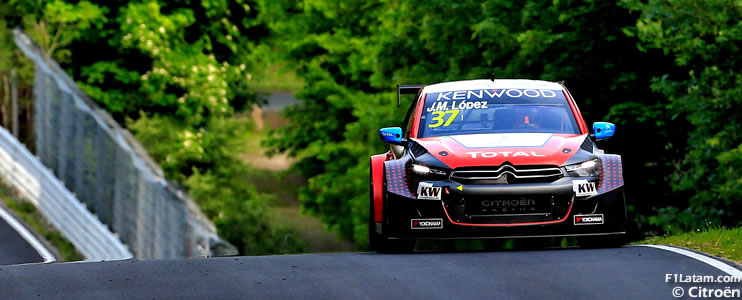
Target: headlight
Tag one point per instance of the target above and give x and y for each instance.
(427, 171)
(586, 168)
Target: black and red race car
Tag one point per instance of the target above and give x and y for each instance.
(483, 159)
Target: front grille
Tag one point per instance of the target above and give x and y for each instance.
(532, 205)
(506, 174)
(508, 209)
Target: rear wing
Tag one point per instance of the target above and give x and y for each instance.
(408, 89)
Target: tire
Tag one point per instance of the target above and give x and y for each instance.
(531, 243)
(379, 242)
(602, 241)
(387, 245)
(608, 241)
(494, 244)
(373, 237)
(382, 244)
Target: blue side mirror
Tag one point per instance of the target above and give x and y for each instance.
(603, 130)
(392, 135)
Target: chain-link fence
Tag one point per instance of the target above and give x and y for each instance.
(36, 184)
(109, 170)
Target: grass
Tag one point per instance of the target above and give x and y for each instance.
(722, 242)
(33, 220)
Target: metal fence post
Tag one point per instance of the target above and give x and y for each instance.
(6, 99)
(14, 99)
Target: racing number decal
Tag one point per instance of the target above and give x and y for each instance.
(438, 117)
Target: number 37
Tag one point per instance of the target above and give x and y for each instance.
(438, 118)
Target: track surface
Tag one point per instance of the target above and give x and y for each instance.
(625, 273)
(14, 249)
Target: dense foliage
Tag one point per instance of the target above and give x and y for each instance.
(705, 39)
(176, 72)
(624, 62)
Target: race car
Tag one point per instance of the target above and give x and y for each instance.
(500, 158)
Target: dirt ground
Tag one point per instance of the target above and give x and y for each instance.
(275, 178)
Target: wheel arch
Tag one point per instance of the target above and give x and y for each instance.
(377, 185)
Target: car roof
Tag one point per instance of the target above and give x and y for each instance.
(480, 84)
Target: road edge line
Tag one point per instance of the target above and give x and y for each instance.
(722, 266)
(45, 254)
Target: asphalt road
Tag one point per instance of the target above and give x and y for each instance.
(280, 100)
(625, 273)
(14, 249)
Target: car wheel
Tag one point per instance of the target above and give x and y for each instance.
(373, 237)
(387, 245)
(603, 241)
(382, 244)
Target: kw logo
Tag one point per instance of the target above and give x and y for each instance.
(434, 192)
(584, 188)
(426, 191)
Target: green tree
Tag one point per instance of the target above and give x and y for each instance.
(703, 38)
(175, 72)
(352, 53)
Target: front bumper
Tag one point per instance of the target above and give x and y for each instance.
(458, 223)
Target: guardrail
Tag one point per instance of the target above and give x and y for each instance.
(57, 204)
(110, 171)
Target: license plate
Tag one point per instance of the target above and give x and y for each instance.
(507, 207)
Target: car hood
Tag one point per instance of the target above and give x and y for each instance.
(496, 149)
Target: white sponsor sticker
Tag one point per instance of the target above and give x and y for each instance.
(495, 94)
(489, 140)
(426, 223)
(584, 188)
(589, 219)
(426, 191)
(488, 154)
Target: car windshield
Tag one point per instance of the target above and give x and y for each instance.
(496, 111)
